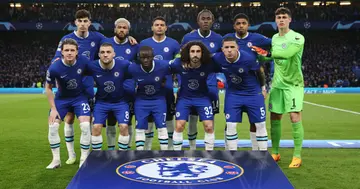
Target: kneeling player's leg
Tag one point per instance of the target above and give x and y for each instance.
(256, 111)
(204, 109)
(54, 140)
(182, 113)
(192, 129)
(121, 111)
(82, 111)
(141, 117)
(111, 131)
(276, 107)
(149, 133)
(159, 115)
(69, 137)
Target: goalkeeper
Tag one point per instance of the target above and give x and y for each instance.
(287, 93)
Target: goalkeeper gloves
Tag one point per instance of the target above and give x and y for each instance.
(261, 51)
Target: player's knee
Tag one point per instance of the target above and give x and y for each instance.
(231, 128)
(163, 134)
(84, 119)
(275, 116)
(252, 127)
(70, 118)
(295, 117)
(85, 128)
(180, 125)
(260, 126)
(208, 126)
(96, 129)
(124, 130)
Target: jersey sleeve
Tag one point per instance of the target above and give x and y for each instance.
(58, 50)
(184, 40)
(176, 48)
(294, 47)
(264, 41)
(175, 65)
(254, 65)
(50, 76)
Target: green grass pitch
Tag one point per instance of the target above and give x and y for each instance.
(25, 149)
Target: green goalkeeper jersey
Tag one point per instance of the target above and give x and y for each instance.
(287, 53)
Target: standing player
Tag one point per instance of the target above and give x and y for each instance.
(165, 48)
(194, 67)
(67, 74)
(123, 51)
(150, 96)
(245, 40)
(212, 41)
(88, 43)
(287, 92)
(244, 80)
(109, 76)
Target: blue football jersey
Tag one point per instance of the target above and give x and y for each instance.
(193, 81)
(213, 41)
(240, 75)
(123, 51)
(150, 85)
(251, 39)
(109, 82)
(88, 46)
(68, 79)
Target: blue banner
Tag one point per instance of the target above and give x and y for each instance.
(350, 90)
(185, 26)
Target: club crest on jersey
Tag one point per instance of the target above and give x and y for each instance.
(166, 49)
(157, 78)
(241, 70)
(212, 45)
(283, 45)
(249, 44)
(179, 171)
(116, 74)
(127, 51)
(202, 73)
(79, 71)
(92, 44)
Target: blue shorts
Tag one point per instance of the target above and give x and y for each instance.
(202, 105)
(119, 109)
(145, 108)
(235, 105)
(79, 105)
(88, 83)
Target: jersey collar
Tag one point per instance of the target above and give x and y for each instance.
(62, 60)
(126, 40)
(202, 35)
(105, 68)
(238, 37)
(153, 63)
(235, 60)
(158, 41)
(82, 37)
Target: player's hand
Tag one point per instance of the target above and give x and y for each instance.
(260, 51)
(132, 40)
(186, 66)
(54, 114)
(264, 92)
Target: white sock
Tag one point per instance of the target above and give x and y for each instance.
(140, 139)
(111, 136)
(123, 142)
(163, 138)
(209, 141)
(54, 140)
(85, 139)
(231, 136)
(261, 135)
(254, 143)
(178, 140)
(225, 140)
(130, 129)
(192, 131)
(96, 142)
(69, 138)
(149, 135)
(170, 130)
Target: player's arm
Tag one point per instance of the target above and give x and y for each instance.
(294, 47)
(260, 73)
(50, 80)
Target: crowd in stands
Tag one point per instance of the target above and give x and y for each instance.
(143, 13)
(327, 60)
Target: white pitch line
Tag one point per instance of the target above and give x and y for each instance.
(333, 108)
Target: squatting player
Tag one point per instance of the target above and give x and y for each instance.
(67, 73)
(287, 92)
